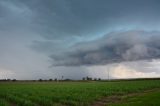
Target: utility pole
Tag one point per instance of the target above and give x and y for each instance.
(62, 77)
(108, 73)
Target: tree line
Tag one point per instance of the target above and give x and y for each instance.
(56, 80)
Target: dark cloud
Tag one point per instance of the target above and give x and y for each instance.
(69, 33)
(113, 47)
(62, 19)
(56, 19)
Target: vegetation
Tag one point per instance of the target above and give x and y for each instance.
(67, 93)
(147, 99)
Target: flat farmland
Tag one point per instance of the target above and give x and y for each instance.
(68, 93)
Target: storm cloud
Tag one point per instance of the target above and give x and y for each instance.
(76, 37)
(113, 47)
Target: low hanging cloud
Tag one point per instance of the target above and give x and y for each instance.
(114, 47)
(123, 71)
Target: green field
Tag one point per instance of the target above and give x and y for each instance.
(146, 99)
(67, 93)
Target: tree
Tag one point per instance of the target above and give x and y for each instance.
(8, 79)
(95, 79)
(88, 78)
(50, 79)
(83, 78)
(55, 79)
(14, 80)
(40, 80)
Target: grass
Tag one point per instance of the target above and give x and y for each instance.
(3, 102)
(147, 99)
(67, 93)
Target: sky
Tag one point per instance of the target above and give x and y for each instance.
(78, 38)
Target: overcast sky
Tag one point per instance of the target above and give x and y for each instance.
(78, 38)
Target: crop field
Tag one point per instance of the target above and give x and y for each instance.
(68, 93)
(144, 99)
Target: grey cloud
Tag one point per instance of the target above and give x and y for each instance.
(55, 28)
(113, 47)
(56, 19)
(144, 65)
(14, 16)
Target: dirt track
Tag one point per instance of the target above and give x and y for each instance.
(104, 101)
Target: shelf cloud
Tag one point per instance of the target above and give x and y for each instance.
(51, 38)
(113, 47)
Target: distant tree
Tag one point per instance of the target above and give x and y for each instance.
(99, 79)
(83, 78)
(3, 80)
(55, 79)
(8, 79)
(88, 78)
(50, 79)
(95, 79)
(67, 79)
(14, 80)
(40, 80)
